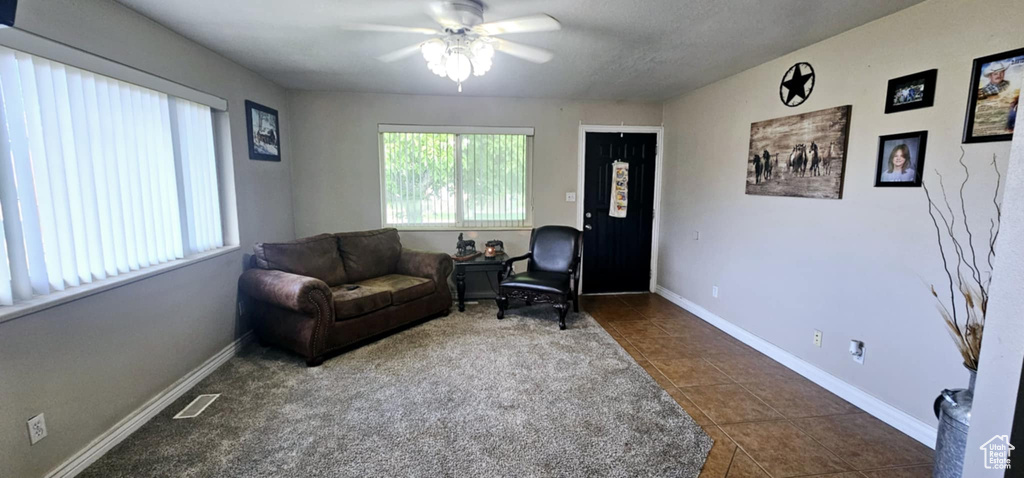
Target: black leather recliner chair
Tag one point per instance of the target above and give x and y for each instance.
(552, 275)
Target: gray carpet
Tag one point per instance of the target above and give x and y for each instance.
(465, 395)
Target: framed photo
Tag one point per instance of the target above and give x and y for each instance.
(801, 155)
(901, 160)
(911, 92)
(993, 97)
(264, 132)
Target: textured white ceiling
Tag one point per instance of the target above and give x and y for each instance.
(607, 49)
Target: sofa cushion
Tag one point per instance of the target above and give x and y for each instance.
(369, 254)
(539, 281)
(403, 288)
(353, 303)
(315, 256)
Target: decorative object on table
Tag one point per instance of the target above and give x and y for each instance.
(477, 277)
(465, 247)
(620, 189)
(911, 92)
(901, 159)
(264, 132)
(797, 84)
(992, 100)
(801, 155)
(467, 257)
(464, 44)
(552, 274)
(968, 277)
(494, 248)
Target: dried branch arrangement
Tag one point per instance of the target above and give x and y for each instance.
(968, 282)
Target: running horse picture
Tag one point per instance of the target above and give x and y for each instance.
(801, 155)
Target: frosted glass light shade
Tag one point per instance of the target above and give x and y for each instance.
(481, 66)
(432, 50)
(482, 50)
(458, 67)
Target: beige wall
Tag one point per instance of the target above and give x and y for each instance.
(856, 268)
(90, 363)
(337, 168)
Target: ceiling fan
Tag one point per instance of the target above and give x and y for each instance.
(465, 44)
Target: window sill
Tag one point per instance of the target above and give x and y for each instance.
(36, 304)
(458, 229)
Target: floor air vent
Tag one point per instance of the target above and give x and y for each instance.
(197, 406)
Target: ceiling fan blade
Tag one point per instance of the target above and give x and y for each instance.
(372, 27)
(528, 53)
(400, 54)
(531, 23)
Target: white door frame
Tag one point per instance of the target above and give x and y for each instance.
(581, 189)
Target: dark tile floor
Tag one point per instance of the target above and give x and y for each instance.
(766, 420)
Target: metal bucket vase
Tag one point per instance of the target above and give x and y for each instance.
(953, 409)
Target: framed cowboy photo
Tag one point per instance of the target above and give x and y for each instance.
(994, 94)
(264, 135)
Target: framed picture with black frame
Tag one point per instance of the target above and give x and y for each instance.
(911, 92)
(264, 132)
(901, 160)
(992, 100)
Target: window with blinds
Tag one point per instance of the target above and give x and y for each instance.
(98, 177)
(464, 178)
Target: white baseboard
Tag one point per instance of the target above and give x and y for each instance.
(88, 455)
(899, 419)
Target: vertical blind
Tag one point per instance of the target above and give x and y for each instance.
(450, 180)
(98, 177)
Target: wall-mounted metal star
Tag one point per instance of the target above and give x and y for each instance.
(798, 82)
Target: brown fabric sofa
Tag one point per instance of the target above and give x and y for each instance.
(298, 296)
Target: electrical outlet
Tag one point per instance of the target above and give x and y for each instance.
(36, 429)
(817, 338)
(714, 291)
(696, 235)
(857, 351)
(570, 197)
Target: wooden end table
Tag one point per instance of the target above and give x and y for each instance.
(484, 275)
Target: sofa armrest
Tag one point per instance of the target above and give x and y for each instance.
(428, 265)
(289, 291)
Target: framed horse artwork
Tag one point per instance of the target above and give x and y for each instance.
(801, 155)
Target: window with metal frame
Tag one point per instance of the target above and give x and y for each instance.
(455, 177)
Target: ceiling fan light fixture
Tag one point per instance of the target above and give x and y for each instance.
(465, 46)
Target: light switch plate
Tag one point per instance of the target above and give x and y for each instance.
(36, 428)
(570, 197)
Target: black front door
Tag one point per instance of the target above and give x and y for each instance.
(617, 250)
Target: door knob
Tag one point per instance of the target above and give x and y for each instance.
(588, 227)
(587, 215)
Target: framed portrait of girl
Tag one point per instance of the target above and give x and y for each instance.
(901, 159)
